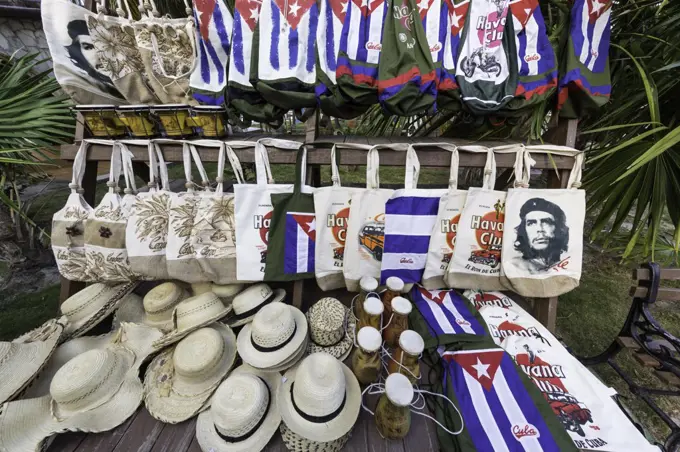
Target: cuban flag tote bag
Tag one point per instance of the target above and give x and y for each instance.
(360, 45)
(448, 92)
(283, 68)
(487, 67)
(586, 82)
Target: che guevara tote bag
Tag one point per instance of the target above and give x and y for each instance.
(332, 206)
(487, 65)
(443, 238)
(254, 212)
(448, 92)
(476, 261)
(543, 245)
(365, 243)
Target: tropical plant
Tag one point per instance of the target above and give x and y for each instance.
(34, 118)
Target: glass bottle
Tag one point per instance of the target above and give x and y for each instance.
(372, 313)
(368, 285)
(393, 413)
(398, 322)
(394, 287)
(366, 363)
(405, 360)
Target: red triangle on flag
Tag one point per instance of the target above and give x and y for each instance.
(523, 10)
(437, 296)
(481, 365)
(296, 9)
(307, 222)
(368, 6)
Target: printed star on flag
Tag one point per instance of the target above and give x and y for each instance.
(481, 365)
(205, 9)
(522, 10)
(249, 10)
(423, 5)
(293, 13)
(459, 12)
(255, 14)
(344, 6)
(482, 369)
(294, 8)
(339, 9)
(437, 296)
(368, 6)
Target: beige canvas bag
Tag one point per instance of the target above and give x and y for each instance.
(543, 245)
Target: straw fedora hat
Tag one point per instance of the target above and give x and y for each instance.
(155, 309)
(179, 382)
(276, 333)
(331, 328)
(247, 303)
(297, 443)
(226, 292)
(87, 308)
(287, 364)
(192, 314)
(93, 392)
(136, 337)
(243, 414)
(23, 358)
(320, 399)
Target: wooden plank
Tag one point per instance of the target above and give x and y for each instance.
(106, 441)
(142, 434)
(176, 437)
(663, 293)
(545, 311)
(358, 441)
(628, 342)
(643, 274)
(194, 446)
(668, 377)
(66, 442)
(646, 360)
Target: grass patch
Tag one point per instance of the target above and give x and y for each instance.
(28, 311)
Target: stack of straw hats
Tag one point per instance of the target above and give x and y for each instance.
(155, 309)
(331, 328)
(276, 339)
(248, 302)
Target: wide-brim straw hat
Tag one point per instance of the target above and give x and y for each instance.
(297, 443)
(292, 361)
(331, 328)
(94, 392)
(273, 337)
(23, 358)
(155, 309)
(248, 302)
(87, 308)
(205, 357)
(327, 398)
(227, 292)
(136, 337)
(252, 438)
(192, 314)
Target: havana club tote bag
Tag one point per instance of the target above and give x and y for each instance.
(214, 233)
(118, 55)
(254, 212)
(448, 92)
(476, 260)
(360, 45)
(146, 234)
(283, 67)
(410, 216)
(535, 56)
(213, 23)
(365, 245)
(74, 56)
(443, 238)
(586, 82)
(68, 224)
(543, 246)
(292, 234)
(332, 206)
(487, 68)
(406, 75)
(105, 230)
(180, 253)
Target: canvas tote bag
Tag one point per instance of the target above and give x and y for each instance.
(476, 260)
(68, 224)
(74, 58)
(543, 246)
(332, 206)
(443, 238)
(146, 234)
(254, 211)
(487, 65)
(180, 253)
(214, 234)
(118, 55)
(365, 244)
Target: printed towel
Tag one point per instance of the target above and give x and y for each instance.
(446, 312)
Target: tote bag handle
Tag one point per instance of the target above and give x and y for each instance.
(80, 161)
(576, 173)
(455, 161)
(263, 171)
(300, 169)
(412, 167)
(115, 168)
(128, 170)
(335, 159)
(162, 166)
(190, 152)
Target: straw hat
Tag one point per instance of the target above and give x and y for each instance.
(247, 303)
(226, 292)
(22, 359)
(192, 314)
(136, 337)
(93, 392)
(87, 308)
(179, 382)
(320, 399)
(297, 443)
(331, 328)
(274, 336)
(287, 364)
(243, 414)
(156, 308)
(201, 288)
